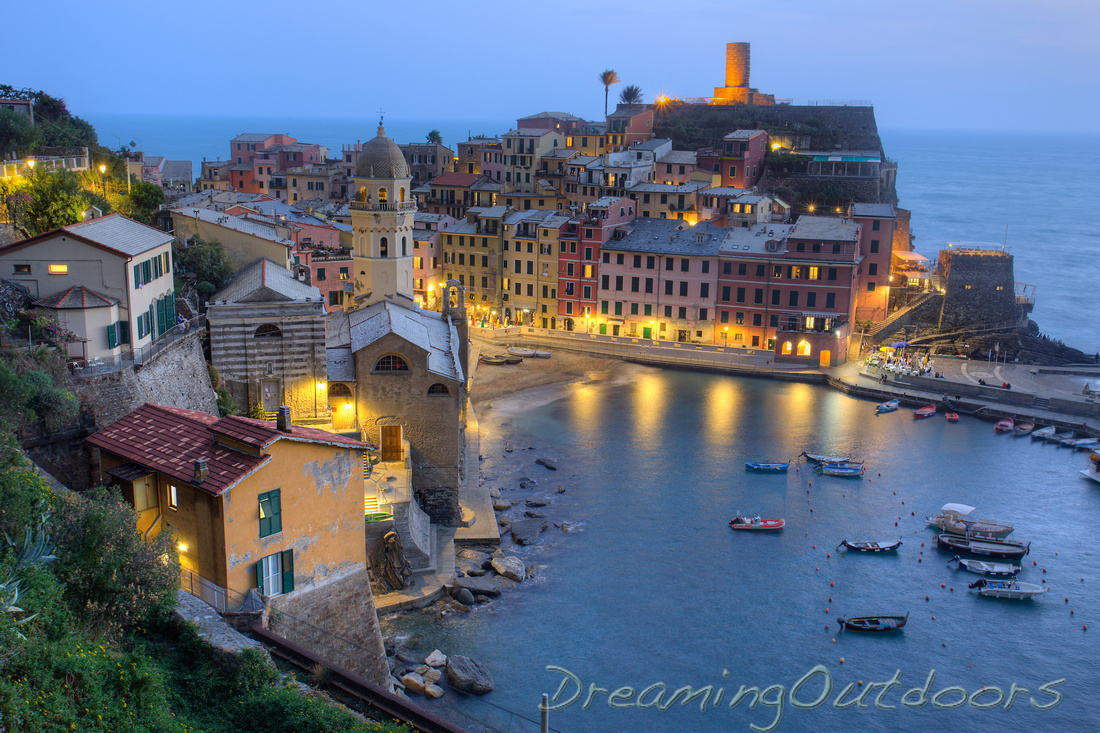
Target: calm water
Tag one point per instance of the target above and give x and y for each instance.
(657, 589)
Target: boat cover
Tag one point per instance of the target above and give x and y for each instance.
(960, 509)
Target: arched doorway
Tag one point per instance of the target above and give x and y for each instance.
(383, 195)
(825, 358)
(342, 406)
(568, 324)
(384, 246)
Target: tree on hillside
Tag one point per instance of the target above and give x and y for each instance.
(631, 94)
(607, 78)
(55, 199)
(17, 134)
(435, 137)
(207, 261)
(141, 203)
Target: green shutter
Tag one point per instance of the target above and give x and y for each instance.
(265, 516)
(112, 342)
(137, 276)
(148, 267)
(162, 319)
(276, 512)
(124, 332)
(260, 576)
(271, 521)
(288, 571)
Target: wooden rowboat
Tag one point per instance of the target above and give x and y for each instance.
(1004, 426)
(818, 458)
(888, 406)
(843, 470)
(873, 623)
(926, 411)
(1023, 429)
(996, 549)
(870, 546)
(763, 467)
(983, 567)
(542, 354)
(1043, 433)
(495, 360)
(520, 351)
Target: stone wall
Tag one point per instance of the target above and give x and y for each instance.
(701, 125)
(980, 289)
(342, 624)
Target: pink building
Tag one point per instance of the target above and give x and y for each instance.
(627, 125)
(427, 255)
(739, 159)
(579, 262)
(876, 239)
(256, 157)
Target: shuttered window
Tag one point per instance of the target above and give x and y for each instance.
(271, 521)
(112, 336)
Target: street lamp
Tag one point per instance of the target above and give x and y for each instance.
(102, 183)
(31, 163)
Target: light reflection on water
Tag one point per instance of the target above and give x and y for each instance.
(657, 588)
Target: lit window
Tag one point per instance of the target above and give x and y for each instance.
(59, 269)
(173, 499)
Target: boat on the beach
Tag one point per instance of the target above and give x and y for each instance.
(739, 522)
(1022, 429)
(996, 549)
(1043, 433)
(818, 458)
(984, 567)
(1004, 426)
(1015, 589)
(494, 360)
(870, 546)
(764, 467)
(542, 354)
(926, 411)
(520, 351)
(888, 406)
(1093, 471)
(873, 623)
(956, 519)
(844, 470)
(952, 416)
(513, 359)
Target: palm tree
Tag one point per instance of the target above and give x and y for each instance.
(631, 94)
(607, 78)
(435, 137)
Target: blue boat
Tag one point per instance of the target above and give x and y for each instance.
(841, 469)
(766, 467)
(887, 406)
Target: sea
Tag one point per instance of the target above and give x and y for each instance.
(1029, 193)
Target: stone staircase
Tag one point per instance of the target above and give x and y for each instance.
(1041, 403)
(900, 312)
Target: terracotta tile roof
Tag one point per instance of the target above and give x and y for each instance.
(170, 439)
(454, 179)
(76, 297)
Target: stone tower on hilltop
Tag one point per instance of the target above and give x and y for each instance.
(737, 89)
(980, 289)
(382, 212)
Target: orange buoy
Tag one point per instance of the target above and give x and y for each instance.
(828, 554)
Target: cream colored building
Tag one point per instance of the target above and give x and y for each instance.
(125, 269)
(244, 240)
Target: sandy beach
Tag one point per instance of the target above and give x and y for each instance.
(493, 382)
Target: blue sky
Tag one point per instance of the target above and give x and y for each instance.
(961, 64)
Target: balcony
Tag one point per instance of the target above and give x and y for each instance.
(408, 206)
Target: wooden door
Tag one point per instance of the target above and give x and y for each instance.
(391, 443)
(269, 388)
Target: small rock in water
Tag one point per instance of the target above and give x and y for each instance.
(527, 531)
(436, 659)
(413, 683)
(547, 463)
(537, 501)
(568, 527)
(433, 690)
(510, 567)
(469, 675)
(534, 515)
(501, 505)
(560, 489)
(528, 483)
(465, 597)
(494, 493)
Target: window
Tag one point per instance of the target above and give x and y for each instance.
(830, 300)
(633, 309)
(872, 269)
(634, 284)
(56, 269)
(831, 274)
(650, 262)
(683, 288)
(587, 292)
(603, 307)
(618, 308)
(320, 274)
(724, 317)
(811, 300)
(268, 331)
(649, 285)
(682, 313)
(875, 225)
(275, 573)
(775, 297)
(725, 294)
(773, 320)
(335, 297)
(618, 282)
(870, 287)
(874, 246)
(777, 271)
(756, 319)
(343, 273)
(685, 265)
(391, 363)
(271, 518)
(668, 287)
(758, 296)
(669, 264)
(727, 268)
(173, 497)
(648, 309)
(794, 299)
(438, 388)
(607, 258)
(704, 290)
(637, 260)
(605, 282)
(706, 266)
(619, 258)
(813, 273)
(760, 271)
(740, 319)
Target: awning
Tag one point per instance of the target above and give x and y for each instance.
(911, 256)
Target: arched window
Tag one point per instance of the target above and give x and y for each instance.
(404, 246)
(363, 193)
(339, 390)
(787, 347)
(391, 363)
(268, 331)
(384, 247)
(803, 348)
(438, 389)
(383, 195)
(401, 195)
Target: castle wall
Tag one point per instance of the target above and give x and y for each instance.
(980, 288)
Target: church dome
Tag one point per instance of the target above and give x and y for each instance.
(381, 158)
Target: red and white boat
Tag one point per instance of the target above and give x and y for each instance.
(952, 417)
(740, 522)
(926, 411)
(1004, 426)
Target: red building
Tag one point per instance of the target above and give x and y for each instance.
(790, 289)
(256, 157)
(578, 261)
(627, 125)
(739, 160)
(876, 246)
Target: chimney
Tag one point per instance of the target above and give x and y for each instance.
(201, 472)
(282, 419)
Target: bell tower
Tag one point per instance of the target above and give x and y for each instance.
(382, 211)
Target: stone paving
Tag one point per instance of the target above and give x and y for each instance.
(211, 626)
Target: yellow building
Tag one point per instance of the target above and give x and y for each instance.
(472, 254)
(244, 240)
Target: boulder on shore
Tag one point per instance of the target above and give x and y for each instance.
(547, 463)
(468, 675)
(436, 659)
(501, 505)
(510, 567)
(413, 683)
(537, 501)
(479, 586)
(527, 531)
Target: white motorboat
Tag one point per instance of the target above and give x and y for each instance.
(520, 351)
(984, 567)
(1093, 471)
(1043, 433)
(956, 519)
(1014, 589)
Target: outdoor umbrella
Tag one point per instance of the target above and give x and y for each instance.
(899, 344)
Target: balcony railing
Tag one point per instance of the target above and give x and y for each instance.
(408, 206)
(130, 357)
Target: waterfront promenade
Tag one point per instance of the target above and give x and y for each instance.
(1044, 395)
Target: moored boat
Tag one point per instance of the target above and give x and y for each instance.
(1014, 589)
(542, 354)
(1004, 426)
(873, 623)
(984, 567)
(818, 458)
(926, 411)
(1023, 429)
(956, 519)
(888, 406)
(520, 351)
(487, 359)
(870, 545)
(844, 470)
(739, 522)
(1060, 437)
(1093, 471)
(997, 549)
(952, 416)
(764, 467)
(1083, 444)
(1043, 433)
(513, 359)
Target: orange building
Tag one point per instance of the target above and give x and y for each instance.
(252, 504)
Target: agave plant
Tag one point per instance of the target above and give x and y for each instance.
(36, 550)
